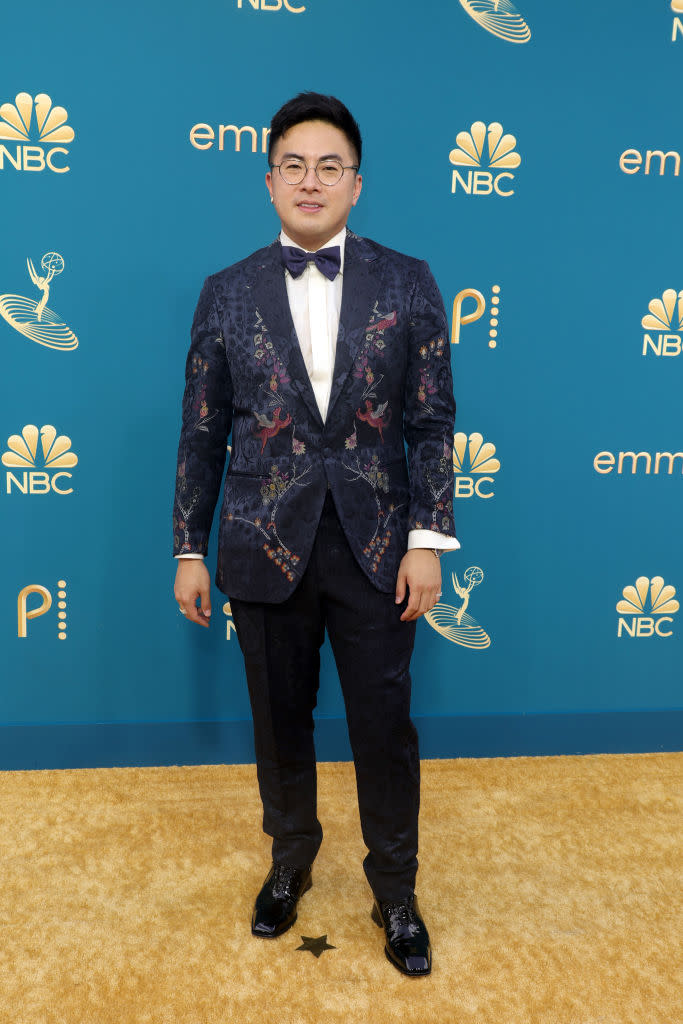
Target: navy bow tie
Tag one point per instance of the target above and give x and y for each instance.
(328, 261)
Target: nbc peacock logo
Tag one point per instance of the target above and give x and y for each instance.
(665, 321)
(647, 609)
(474, 463)
(33, 133)
(34, 470)
(454, 623)
(484, 146)
(34, 319)
(499, 17)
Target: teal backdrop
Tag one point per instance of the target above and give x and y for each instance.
(564, 239)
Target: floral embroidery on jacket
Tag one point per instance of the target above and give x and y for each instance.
(273, 490)
(186, 506)
(374, 344)
(378, 479)
(201, 412)
(265, 356)
(442, 511)
(428, 384)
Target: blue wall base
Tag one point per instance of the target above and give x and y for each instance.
(230, 742)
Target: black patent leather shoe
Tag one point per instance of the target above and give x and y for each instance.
(275, 907)
(407, 946)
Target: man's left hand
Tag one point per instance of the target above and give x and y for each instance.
(420, 572)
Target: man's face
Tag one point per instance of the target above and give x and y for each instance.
(311, 213)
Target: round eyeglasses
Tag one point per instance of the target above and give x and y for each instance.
(328, 172)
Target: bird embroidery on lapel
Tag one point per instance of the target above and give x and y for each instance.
(388, 321)
(376, 417)
(269, 428)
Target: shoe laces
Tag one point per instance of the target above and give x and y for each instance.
(401, 916)
(284, 878)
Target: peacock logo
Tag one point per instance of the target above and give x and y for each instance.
(646, 609)
(499, 17)
(453, 622)
(17, 120)
(39, 470)
(484, 146)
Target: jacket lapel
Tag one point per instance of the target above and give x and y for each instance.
(359, 292)
(270, 298)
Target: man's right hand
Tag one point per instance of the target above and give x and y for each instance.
(192, 581)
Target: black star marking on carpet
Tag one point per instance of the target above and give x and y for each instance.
(315, 946)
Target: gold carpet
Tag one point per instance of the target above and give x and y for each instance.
(551, 888)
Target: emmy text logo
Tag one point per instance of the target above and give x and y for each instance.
(665, 321)
(499, 17)
(647, 609)
(452, 621)
(29, 131)
(655, 463)
(677, 31)
(474, 464)
(36, 600)
(273, 5)
(34, 319)
(488, 158)
(203, 136)
(654, 162)
(469, 315)
(34, 471)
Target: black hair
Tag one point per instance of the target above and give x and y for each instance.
(313, 106)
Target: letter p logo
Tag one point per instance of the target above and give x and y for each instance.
(24, 613)
(460, 318)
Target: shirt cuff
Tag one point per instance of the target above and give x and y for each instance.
(430, 539)
(189, 554)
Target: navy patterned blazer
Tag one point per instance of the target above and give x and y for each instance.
(385, 449)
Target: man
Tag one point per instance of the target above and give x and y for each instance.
(327, 355)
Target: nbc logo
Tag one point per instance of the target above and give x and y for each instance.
(499, 17)
(272, 5)
(34, 319)
(481, 147)
(39, 472)
(38, 121)
(25, 612)
(229, 624)
(634, 605)
(677, 32)
(461, 318)
(666, 320)
(473, 463)
(453, 622)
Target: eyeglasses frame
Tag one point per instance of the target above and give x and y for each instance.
(344, 167)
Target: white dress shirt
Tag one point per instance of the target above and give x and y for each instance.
(315, 304)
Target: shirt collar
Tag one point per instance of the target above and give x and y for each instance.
(338, 239)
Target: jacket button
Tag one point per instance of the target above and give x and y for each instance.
(327, 452)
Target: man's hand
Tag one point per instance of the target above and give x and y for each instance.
(420, 571)
(192, 581)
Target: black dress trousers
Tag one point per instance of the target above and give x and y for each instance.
(372, 649)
